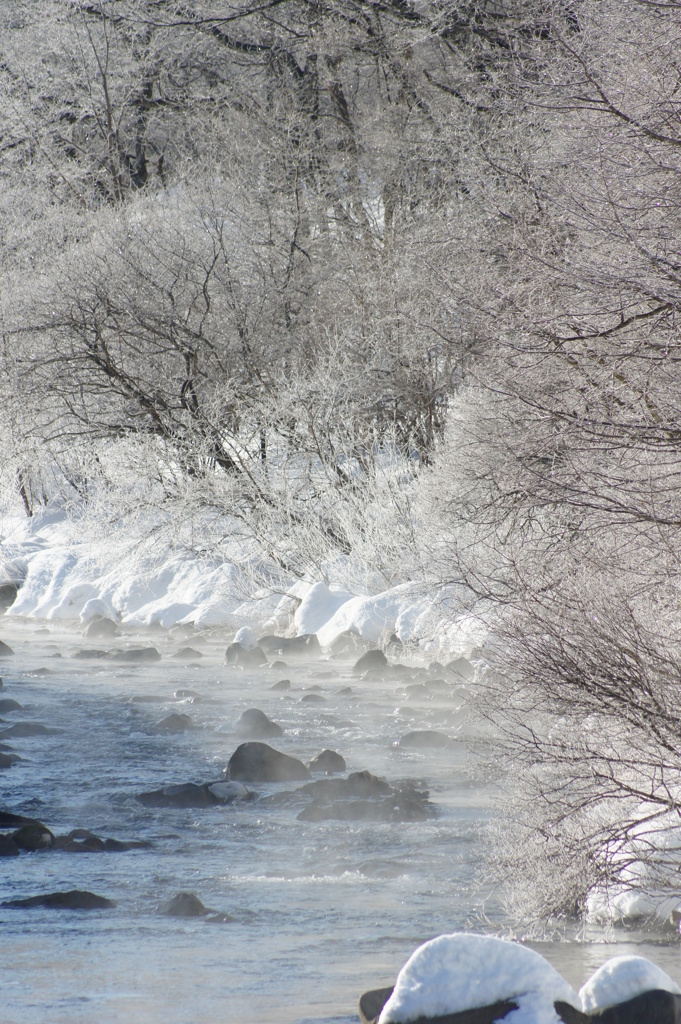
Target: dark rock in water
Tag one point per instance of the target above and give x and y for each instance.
(305, 644)
(187, 694)
(185, 904)
(258, 762)
(184, 794)
(10, 820)
(174, 723)
(33, 837)
(425, 739)
(283, 684)
(461, 667)
(5, 650)
(8, 595)
(229, 792)
(101, 628)
(364, 797)
(89, 844)
(654, 1007)
(372, 661)
(74, 899)
(7, 760)
(245, 657)
(371, 1004)
(188, 654)
(24, 729)
(279, 666)
(2, 683)
(137, 655)
(256, 724)
(345, 691)
(313, 698)
(328, 761)
(8, 848)
(94, 652)
(7, 704)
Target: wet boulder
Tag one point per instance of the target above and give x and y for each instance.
(5, 650)
(313, 698)
(364, 797)
(372, 661)
(8, 848)
(174, 723)
(101, 628)
(255, 724)
(7, 705)
(137, 656)
(33, 837)
(258, 762)
(307, 643)
(245, 657)
(26, 729)
(8, 819)
(328, 762)
(187, 654)
(184, 794)
(282, 685)
(185, 904)
(73, 899)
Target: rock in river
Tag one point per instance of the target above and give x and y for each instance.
(255, 724)
(33, 837)
(7, 704)
(245, 657)
(328, 761)
(74, 899)
(258, 762)
(174, 723)
(25, 729)
(425, 739)
(308, 643)
(372, 661)
(5, 650)
(137, 655)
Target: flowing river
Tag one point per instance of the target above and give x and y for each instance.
(321, 910)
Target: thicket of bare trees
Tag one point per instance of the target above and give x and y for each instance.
(298, 256)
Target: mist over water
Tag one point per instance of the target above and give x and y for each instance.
(322, 910)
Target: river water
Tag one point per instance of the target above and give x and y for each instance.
(321, 911)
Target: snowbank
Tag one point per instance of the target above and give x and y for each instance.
(461, 972)
(66, 575)
(621, 979)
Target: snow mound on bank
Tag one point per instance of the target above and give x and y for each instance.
(621, 979)
(64, 576)
(461, 972)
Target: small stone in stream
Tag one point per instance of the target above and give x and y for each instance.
(313, 698)
(185, 904)
(8, 595)
(92, 844)
(137, 655)
(283, 684)
(25, 729)
(371, 1003)
(7, 704)
(5, 650)
(184, 794)
(187, 695)
(33, 837)
(94, 652)
(101, 628)
(357, 785)
(255, 724)
(74, 899)
(174, 723)
(328, 761)
(188, 654)
(258, 762)
(279, 666)
(245, 657)
(372, 661)
(7, 760)
(345, 691)
(425, 739)
(8, 848)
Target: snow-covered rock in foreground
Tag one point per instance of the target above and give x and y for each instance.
(621, 979)
(461, 972)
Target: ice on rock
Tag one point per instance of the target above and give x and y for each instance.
(621, 979)
(461, 972)
(246, 637)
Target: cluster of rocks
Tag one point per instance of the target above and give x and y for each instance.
(28, 835)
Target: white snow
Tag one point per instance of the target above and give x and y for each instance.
(69, 572)
(460, 971)
(623, 978)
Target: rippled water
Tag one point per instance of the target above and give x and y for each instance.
(323, 911)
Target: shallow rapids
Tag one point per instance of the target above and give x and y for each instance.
(322, 910)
